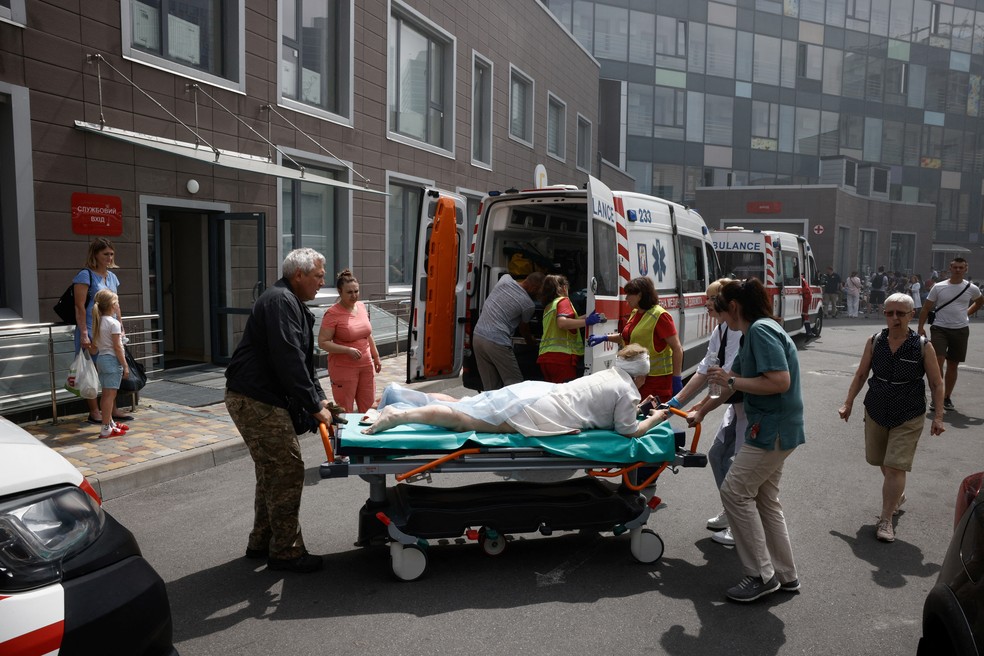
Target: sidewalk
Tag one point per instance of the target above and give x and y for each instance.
(167, 440)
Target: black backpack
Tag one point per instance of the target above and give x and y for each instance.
(876, 280)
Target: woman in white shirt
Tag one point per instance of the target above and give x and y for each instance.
(852, 289)
(107, 343)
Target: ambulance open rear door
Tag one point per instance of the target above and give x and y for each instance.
(604, 260)
(435, 338)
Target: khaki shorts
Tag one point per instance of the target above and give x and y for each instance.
(950, 343)
(892, 447)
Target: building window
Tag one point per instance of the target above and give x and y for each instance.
(671, 43)
(867, 251)
(809, 61)
(203, 39)
(403, 214)
(639, 110)
(765, 125)
(611, 32)
(642, 35)
(14, 11)
(669, 113)
(718, 119)
(556, 128)
(421, 80)
(316, 216)
(902, 256)
(583, 144)
(481, 110)
(520, 106)
(315, 54)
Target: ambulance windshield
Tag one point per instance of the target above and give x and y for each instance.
(740, 266)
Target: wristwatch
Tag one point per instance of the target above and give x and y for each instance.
(731, 383)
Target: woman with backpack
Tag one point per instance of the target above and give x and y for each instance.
(898, 360)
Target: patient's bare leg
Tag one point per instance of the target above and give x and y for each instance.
(433, 415)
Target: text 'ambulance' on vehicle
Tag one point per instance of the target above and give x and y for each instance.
(597, 238)
(781, 260)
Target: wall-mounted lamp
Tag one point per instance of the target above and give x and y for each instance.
(192, 186)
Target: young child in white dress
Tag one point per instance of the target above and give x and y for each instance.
(107, 346)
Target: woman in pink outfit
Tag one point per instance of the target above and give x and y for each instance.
(346, 335)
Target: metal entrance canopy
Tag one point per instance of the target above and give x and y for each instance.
(218, 157)
(949, 248)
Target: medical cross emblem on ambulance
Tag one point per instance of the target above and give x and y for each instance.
(659, 261)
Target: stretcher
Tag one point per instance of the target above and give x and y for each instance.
(615, 492)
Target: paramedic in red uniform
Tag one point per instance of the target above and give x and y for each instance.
(561, 346)
(651, 326)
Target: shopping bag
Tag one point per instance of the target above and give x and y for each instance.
(71, 383)
(138, 374)
(87, 378)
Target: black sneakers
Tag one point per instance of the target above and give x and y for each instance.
(751, 588)
(303, 564)
(256, 554)
(948, 404)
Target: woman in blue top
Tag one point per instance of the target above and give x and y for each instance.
(766, 371)
(95, 277)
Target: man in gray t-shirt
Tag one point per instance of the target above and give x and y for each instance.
(509, 306)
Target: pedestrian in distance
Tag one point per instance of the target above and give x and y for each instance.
(721, 350)
(852, 293)
(879, 283)
(832, 286)
(898, 361)
(807, 294)
(509, 307)
(951, 302)
(346, 335)
(110, 359)
(561, 345)
(651, 326)
(915, 291)
(272, 394)
(766, 370)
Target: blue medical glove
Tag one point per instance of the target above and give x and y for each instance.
(677, 384)
(673, 403)
(595, 340)
(594, 318)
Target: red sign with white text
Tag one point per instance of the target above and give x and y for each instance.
(97, 214)
(763, 207)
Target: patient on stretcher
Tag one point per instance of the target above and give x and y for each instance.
(606, 400)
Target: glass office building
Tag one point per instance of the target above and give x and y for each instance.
(755, 92)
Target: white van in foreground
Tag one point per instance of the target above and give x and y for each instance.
(597, 238)
(779, 260)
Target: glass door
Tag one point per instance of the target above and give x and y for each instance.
(236, 273)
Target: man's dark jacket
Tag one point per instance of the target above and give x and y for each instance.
(274, 362)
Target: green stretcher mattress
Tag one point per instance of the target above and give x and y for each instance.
(602, 446)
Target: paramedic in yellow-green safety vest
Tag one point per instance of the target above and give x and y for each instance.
(651, 326)
(561, 346)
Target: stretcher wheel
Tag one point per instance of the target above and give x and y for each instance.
(493, 543)
(646, 545)
(409, 562)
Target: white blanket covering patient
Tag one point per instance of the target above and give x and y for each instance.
(608, 400)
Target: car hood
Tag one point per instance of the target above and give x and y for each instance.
(27, 464)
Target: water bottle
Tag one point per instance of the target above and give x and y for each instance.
(713, 389)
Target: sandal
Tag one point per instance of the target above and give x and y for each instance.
(113, 433)
(121, 427)
(123, 417)
(93, 420)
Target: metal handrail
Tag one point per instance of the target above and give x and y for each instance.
(13, 356)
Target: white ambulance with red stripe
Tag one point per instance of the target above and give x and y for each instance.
(72, 579)
(781, 260)
(597, 238)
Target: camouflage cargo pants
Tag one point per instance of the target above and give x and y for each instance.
(269, 436)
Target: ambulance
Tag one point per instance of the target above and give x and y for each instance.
(598, 238)
(780, 260)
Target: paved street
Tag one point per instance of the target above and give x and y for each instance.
(581, 593)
